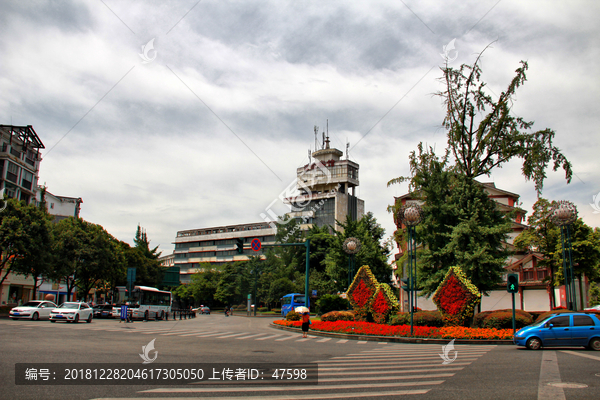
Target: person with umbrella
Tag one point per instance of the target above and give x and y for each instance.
(305, 312)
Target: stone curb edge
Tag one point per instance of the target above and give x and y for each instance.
(394, 339)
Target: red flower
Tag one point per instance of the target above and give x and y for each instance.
(361, 294)
(380, 305)
(452, 296)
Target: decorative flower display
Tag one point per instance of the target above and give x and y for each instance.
(361, 291)
(366, 296)
(369, 328)
(456, 297)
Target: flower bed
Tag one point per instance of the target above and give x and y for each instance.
(369, 328)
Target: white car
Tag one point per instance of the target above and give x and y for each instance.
(72, 312)
(33, 310)
(595, 308)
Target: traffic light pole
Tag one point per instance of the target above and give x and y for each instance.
(411, 285)
(514, 324)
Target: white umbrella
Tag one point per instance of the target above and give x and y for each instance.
(301, 310)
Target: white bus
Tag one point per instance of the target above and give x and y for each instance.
(144, 302)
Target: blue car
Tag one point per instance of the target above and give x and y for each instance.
(566, 329)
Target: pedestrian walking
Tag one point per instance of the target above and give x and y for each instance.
(305, 323)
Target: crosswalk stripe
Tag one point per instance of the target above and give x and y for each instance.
(251, 336)
(285, 338)
(197, 333)
(212, 334)
(324, 340)
(269, 337)
(233, 335)
(342, 341)
(362, 342)
(177, 333)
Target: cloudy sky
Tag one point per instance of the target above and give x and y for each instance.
(190, 114)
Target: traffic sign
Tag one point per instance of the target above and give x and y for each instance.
(255, 244)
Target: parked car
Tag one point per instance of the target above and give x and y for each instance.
(72, 312)
(204, 310)
(33, 310)
(103, 311)
(565, 329)
(595, 308)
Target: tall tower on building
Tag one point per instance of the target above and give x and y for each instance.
(327, 189)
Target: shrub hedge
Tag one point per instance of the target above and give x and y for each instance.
(338, 316)
(331, 302)
(420, 318)
(293, 316)
(495, 317)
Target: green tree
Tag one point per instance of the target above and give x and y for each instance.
(26, 241)
(481, 135)
(373, 252)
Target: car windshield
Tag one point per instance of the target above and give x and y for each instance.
(70, 305)
(32, 304)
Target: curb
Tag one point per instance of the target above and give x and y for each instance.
(394, 339)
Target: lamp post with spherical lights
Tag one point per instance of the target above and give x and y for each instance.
(410, 215)
(563, 214)
(351, 246)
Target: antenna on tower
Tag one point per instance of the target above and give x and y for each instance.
(347, 149)
(309, 155)
(316, 133)
(323, 144)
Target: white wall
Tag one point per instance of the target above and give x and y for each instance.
(499, 300)
(536, 300)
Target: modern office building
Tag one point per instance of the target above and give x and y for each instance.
(327, 186)
(19, 161)
(218, 245)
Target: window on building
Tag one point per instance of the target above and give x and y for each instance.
(541, 275)
(12, 173)
(527, 275)
(27, 179)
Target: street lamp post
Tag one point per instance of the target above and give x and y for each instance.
(351, 246)
(563, 214)
(410, 215)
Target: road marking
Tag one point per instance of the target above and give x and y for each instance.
(283, 388)
(581, 355)
(212, 334)
(268, 337)
(549, 372)
(232, 335)
(324, 340)
(362, 342)
(342, 341)
(286, 338)
(251, 336)
(178, 333)
(200, 333)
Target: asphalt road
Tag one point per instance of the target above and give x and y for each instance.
(346, 368)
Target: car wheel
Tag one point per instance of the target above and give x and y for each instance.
(595, 344)
(35, 317)
(534, 343)
(76, 320)
(89, 320)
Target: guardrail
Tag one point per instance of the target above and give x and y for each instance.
(183, 314)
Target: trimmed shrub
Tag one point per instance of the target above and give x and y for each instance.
(503, 320)
(331, 302)
(479, 319)
(293, 316)
(262, 309)
(420, 318)
(338, 316)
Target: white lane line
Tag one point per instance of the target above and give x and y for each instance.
(233, 335)
(269, 337)
(282, 388)
(211, 334)
(581, 355)
(549, 372)
(343, 395)
(178, 333)
(342, 341)
(362, 342)
(251, 336)
(199, 333)
(286, 338)
(324, 340)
